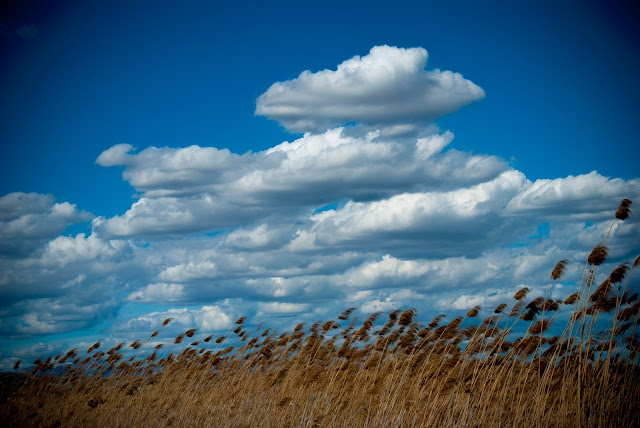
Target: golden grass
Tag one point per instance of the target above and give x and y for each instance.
(391, 371)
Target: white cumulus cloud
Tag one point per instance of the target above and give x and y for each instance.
(28, 220)
(179, 195)
(160, 292)
(282, 308)
(590, 194)
(388, 85)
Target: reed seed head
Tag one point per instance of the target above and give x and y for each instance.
(624, 210)
(393, 316)
(521, 294)
(500, 308)
(602, 291)
(434, 322)
(328, 326)
(619, 273)
(93, 347)
(517, 308)
(368, 323)
(559, 269)
(539, 327)
(407, 316)
(572, 299)
(598, 255)
(345, 314)
(473, 312)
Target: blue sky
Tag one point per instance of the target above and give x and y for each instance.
(546, 95)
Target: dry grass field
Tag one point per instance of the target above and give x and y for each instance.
(503, 368)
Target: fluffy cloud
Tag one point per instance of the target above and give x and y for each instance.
(28, 220)
(150, 217)
(260, 237)
(288, 179)
(387, 85)
(168, 173)
(207, 318)
(65, 249)
(190, 270)
(67, 284)
(396, 299)
(588, 196)
(15, 205)
(158, 292)
(281, 308)
(60, 315)
(470, 214)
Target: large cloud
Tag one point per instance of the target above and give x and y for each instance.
(207, 318)
(387, 85)
(180, 194)
(28, 220)
(67, 284)
(443, 223)
(586, 196)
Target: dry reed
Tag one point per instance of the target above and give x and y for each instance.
(385, 373)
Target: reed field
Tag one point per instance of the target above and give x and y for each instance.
(491, 367)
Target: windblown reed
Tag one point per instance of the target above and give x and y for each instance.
(388, 372)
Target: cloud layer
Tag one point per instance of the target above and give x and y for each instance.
(379, 215)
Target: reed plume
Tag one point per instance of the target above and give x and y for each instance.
(598, 255)
(559, 269)
(473, 312)
(499, 371)
(624, 210)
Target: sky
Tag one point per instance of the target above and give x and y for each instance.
(285, 161)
